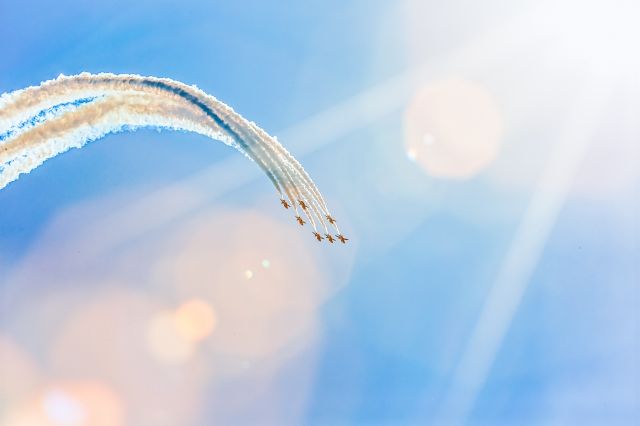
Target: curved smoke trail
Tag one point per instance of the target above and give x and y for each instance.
(40, 122)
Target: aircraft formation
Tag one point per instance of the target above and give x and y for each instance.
(329, 237)
(40, 122)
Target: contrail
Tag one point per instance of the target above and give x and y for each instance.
(40, 122)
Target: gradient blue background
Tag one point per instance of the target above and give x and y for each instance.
(426, 250)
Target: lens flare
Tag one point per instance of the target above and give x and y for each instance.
(166, 343)
(258, 311)
(130, 341)
(70, 403)
(452, 129)
(195, 320)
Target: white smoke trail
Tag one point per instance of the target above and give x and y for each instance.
(20, 105)
(30, 148)
(40, 122)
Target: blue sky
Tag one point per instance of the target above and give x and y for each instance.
(507, 296)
